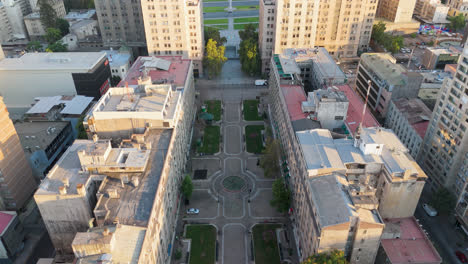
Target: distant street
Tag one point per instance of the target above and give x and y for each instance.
(248, 13)
(234, 3)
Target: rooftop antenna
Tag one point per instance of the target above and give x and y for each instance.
(127, 91)
(369, 85)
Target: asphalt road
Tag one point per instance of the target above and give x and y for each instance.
(248, 13)
(234, 3)
(437, 234)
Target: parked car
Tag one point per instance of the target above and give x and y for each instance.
(430, 211)
(193, 211)
(461, 256)
(261, 82)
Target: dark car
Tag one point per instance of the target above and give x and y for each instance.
(461, 256)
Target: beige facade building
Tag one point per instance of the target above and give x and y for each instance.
(121, 22)
(100, 201)
(33, 21)
(458, 7)
(342, 188)
(432, 11)
(175, 28)
(342, 27)
(18, 182)
(445, 146)
(396, 11)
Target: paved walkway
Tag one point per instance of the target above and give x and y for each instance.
(233, 213)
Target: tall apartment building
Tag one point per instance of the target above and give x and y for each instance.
(18, 183)
(458, 7)
(389, 81)
(175, 28)
(397, 11)
(121, 22)
(15, 10)
(341, 188)
(103, 201)
(33, 20)
(342, 27)
(446, 141)
(6, 31)
(461, 209)
(432, 11)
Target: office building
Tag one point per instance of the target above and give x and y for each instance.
(342, 27)
(431, 11)
(396, 11)
(404, 242)
(437, 58)
(389, 81)
(318, 69)
(115, 202)
(175, 28)
(43, 142)
(121, 23)
(409, 119)
(18, 182)
(61, 73)
(446, 141)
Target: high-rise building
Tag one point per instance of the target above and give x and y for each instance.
(6, 31)
(121, 22)
(175, 28)
(18, 183)
(397, 11)
(14, 12)
(458, 7)
(342, 27)
(33, 21)
(446, 141)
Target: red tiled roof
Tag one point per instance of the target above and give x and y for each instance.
(294, 96)
(5, 219)
(356, 105)
(421, 128)
(176, 74)
(412, 246)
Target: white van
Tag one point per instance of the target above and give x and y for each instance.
(430, 211)
(261, 82)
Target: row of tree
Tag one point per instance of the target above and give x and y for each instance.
(389, 41)
(248, 50)
(56, 28)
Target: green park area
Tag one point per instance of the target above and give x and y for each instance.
(203, 246)
(214, 108)
(215, 21)
(266, 244)
(253, 138)
(250, 110)
(210, 140)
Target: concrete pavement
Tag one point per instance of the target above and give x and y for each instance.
(234, 3)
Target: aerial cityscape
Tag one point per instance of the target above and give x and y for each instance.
(233, 131)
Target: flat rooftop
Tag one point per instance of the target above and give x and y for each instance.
(74, 105)
(176, 73)
(416, 112)
(320, 56)
(294, 95)
(117, 58)
(355, 108)
(321, 151)
(412, 246)
(385, 66)
(82, 23)
(57, 61)
(38, 135)
(80, 14)
(134, 205)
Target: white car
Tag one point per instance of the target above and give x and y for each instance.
(261, 82)
(193, 211)
(430, 211)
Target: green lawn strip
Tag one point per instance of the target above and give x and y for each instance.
(204, 1)
(215, 21)
(245, 19)
(210, 140)
(253, 138)
(265, 244)
(214, 108)
(202, 248)
(221, 27)
(214, 9)
(241, 26)
(251, 110)
(244, 8)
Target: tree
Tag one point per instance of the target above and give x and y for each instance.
(187, 187)
(115, 79)
(214, 58)
(443, 201)
(80, 128)
(58, 46)
(378, 31)
(63, 26)
(48, 14)
(396, 44)
(249, 32)
(52, 35)
(333, 257)
(249, 57)
(213, 33)
(78, 4)
(281, 196)
(269, 159)
(456, 22)
(34, 46)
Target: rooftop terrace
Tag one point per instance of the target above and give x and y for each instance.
(320, 56)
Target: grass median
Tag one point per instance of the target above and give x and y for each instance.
(246, 20)
(241, 26)
(215, 21)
